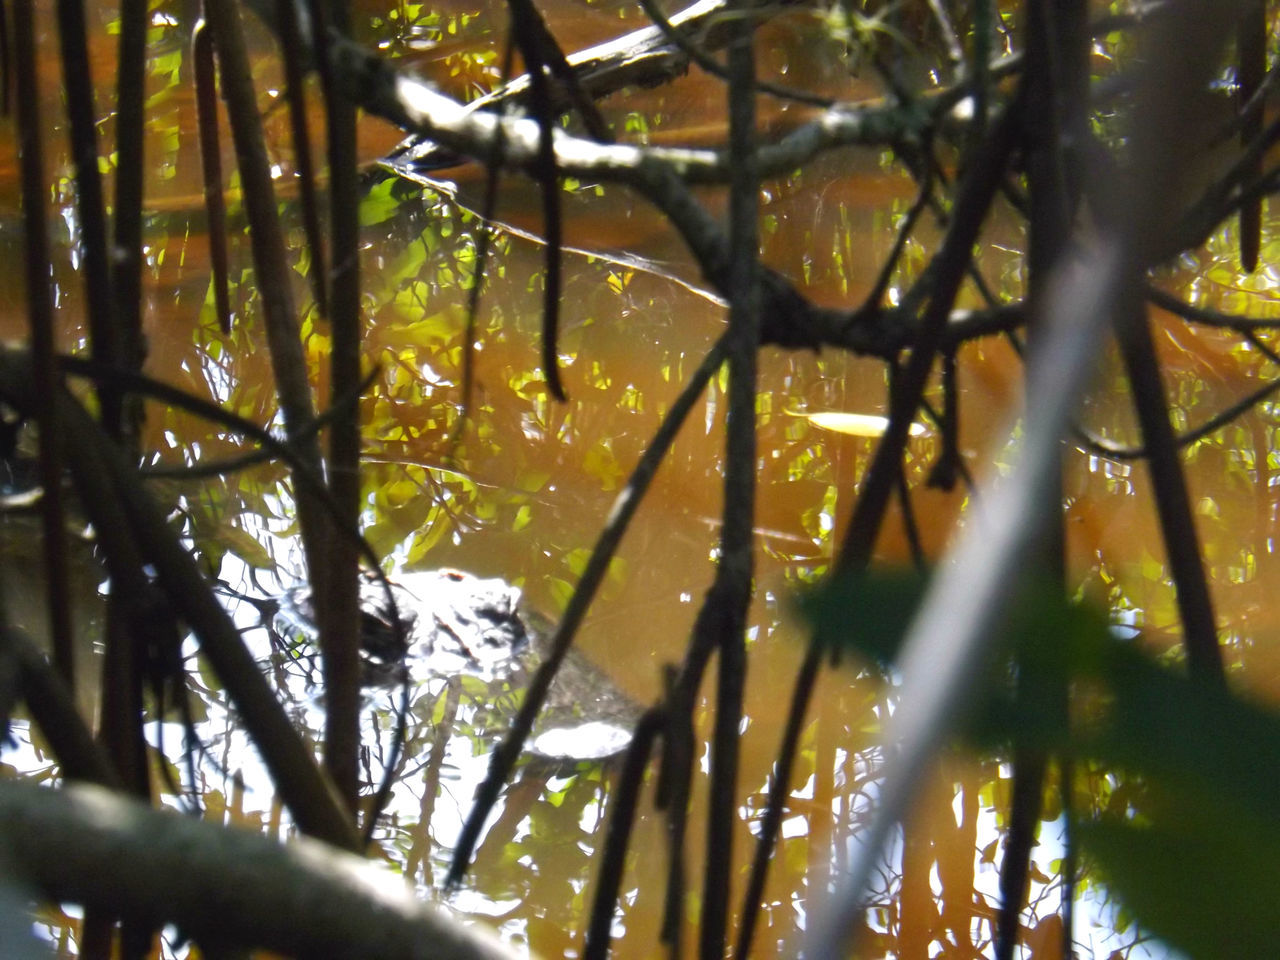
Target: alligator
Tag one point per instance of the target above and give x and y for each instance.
(450, 624)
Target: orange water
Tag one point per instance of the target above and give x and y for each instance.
(528, 489)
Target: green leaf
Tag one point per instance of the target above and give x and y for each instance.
(863, 614)
(1203, 879)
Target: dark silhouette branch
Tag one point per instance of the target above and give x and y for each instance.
(622, 813)
(726, 603)
(1172, 501)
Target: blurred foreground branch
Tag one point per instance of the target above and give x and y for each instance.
(224, 887)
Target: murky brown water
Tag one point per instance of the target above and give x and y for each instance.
(526, 492)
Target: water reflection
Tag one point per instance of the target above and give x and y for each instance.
(525, 488)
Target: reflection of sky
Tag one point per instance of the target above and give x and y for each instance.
(1096, 917)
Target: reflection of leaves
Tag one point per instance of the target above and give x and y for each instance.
(531, 480)
(378, 204)
(435, 330)
(601, 463)
(427, 537)
(241, 544)
(561, 591)
(523, 517)
(1187, 838)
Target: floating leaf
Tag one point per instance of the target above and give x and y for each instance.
(858, 424)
